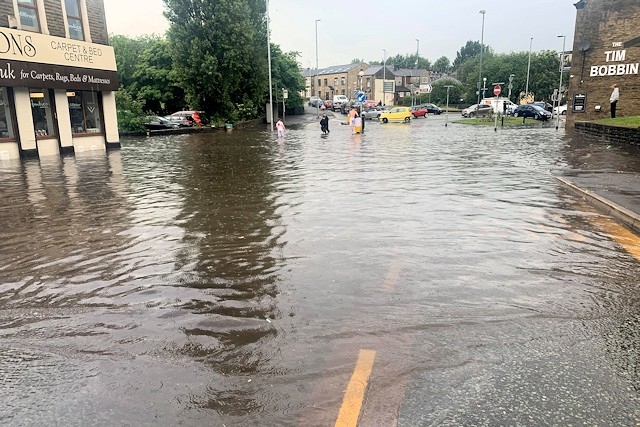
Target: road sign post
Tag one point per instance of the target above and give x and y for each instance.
(496, 91)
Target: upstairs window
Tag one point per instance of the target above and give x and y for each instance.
(28, 11)
(74, 19)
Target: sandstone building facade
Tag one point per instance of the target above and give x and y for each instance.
(57, 78)
(606, 51)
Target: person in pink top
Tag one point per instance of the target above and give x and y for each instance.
(280, 127)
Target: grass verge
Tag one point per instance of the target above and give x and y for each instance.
(630, 121)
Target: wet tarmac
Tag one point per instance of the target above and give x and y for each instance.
(233, 279)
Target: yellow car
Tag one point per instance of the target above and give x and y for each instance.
(396, 114)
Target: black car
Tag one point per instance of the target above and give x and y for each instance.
(433, 109)
(544, 105)
(158, 123)
(532, 110)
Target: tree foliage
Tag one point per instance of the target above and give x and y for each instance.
(442, 65)
(470, 50)
(219, 52)
(408, 61)
(439, 92)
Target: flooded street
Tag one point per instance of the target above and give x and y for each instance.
(234, 279)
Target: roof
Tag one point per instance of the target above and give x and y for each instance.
(375, 69)
(402, 89)
(308, 72)
(337, 69)
(409, 72)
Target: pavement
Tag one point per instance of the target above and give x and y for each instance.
(617, 194)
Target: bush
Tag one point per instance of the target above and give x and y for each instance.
(129, 111)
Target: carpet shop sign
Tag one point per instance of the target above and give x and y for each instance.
(619, 68)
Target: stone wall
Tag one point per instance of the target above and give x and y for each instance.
(609, 134)
(605, 26)
(55, 17)
(97, 21)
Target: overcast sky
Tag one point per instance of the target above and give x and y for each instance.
(363, 28)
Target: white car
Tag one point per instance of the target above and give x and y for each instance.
(562, 109)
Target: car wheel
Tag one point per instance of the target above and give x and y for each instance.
(537, 117)
(385, 120)
(564, 113)
(516, 114)
(472, 115)
(407, 119)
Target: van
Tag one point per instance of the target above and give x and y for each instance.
(338, 101)
(497, 104)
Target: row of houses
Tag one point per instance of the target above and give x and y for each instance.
(382, 84)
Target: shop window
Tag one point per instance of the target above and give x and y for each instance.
(42, 111)
(74, 19)
(6, 119)
(84, 111)
(28, 11)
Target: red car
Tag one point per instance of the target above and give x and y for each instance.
(419, 111)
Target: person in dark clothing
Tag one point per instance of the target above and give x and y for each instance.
(324, 124)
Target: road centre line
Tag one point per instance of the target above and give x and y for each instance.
(354, 396)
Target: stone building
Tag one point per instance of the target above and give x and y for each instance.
(57, 78)
(606, 51)
(338, 80)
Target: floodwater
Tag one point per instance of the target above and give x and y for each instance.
(233, 278)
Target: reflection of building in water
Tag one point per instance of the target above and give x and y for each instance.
(57, 79)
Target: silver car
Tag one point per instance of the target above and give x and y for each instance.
(479, 110)
(372, 113)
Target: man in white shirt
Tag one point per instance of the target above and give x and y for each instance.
(615, 95)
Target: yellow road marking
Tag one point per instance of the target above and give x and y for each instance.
(629, 241)
(353, 398)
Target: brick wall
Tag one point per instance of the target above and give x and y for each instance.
(55, 17)
(600, 24)
(609, 134)
(97, 21)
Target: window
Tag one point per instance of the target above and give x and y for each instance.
(368, 82)
(84, 112)
(6, 121)
(343, 92)
(74, 19)
(335, 81)
(326, 96)
(28, 11)
(342, 81)
(319, 82)
(41, 109)
(325, 82)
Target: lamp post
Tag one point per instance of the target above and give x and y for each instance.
(482, 12)
(269, 60)
(446, 122)
(526, 90)
(384, 77)
(417, 52)
(316, 79)
(564, 39)
(484, 86)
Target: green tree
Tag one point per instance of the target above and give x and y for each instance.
(469, 51)
(127, 51)
(219, 52)
(439, 92)
(442, 65)
(130, 112)
(285, 74)
(408, 61)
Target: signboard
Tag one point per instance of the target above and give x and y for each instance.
(580, 103)
(496, 90)
(362, 97)
(388, 86)
(285, 93)
(426, 88)
(27, 46)
(29, 74)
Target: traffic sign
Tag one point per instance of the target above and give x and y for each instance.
(427, 88)
(362, 97)
(496, 90)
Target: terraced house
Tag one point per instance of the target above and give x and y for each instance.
(57, 78)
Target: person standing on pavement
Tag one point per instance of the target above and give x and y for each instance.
(615, 95)
(280, 127)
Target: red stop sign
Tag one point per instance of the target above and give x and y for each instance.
(496, 90)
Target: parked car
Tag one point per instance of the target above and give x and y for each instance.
(372, 113)
(158, 123)
(562, 109)
(185, 118)
(419, 111)
(315, 101)
(544, 105)
(328, 104)
(479, 110)
(370, 103)
(532, 110)
(396, 114)
(433, 109)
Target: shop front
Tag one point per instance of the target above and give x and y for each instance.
(56, 95)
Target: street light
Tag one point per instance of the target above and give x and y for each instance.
(559, 97)
(446, 122)
(384, 77)
(481, 50)
(269, 60)
(484, 86)
(316, 79)
(417, 52)
(526, 91)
